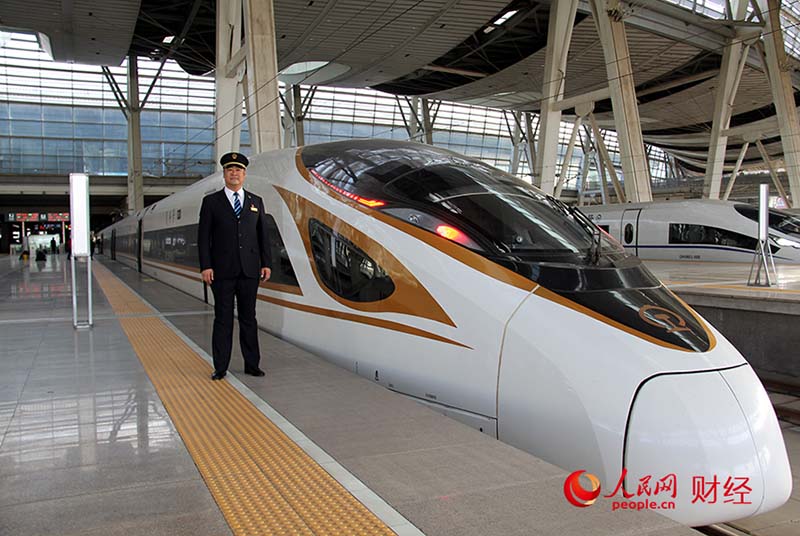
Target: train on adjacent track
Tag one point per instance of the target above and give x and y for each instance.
(697, 230)
(465, 288)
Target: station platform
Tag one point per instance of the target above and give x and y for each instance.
(760, 321)
(119, 430)
(725, 284)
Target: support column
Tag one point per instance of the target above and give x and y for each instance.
(585, 162)
(776, 180)
(559, 36)
(733, 62)
(135, 178)
(516, 140)
(779, 70)
(228, 78)
(288, 119)
(427, 121)
(421, 117)
(530, 146)
(562, 176)
(261, 79)
(299, 114)
(601, 171)
(735, 172)
(606, 159)
(611, 29)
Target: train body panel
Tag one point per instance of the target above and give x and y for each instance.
(546, 355)
(546, 364)
(696, 230)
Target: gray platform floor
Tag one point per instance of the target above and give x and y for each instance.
(86, 446)
(728, 281)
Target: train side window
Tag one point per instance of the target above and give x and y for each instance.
(606, 228)
(282, 269)
(689, 233)
(345, 269)
(628, 233)
(175, 245)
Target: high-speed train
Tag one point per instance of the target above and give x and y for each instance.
(459, 285)
(697, 230)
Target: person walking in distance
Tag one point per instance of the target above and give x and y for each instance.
(234, 255)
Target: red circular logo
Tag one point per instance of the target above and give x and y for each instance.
(577, 494)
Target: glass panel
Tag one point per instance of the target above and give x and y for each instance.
(346, 269)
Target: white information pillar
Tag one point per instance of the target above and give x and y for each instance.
(635, 168)
(81, 243)
(559, 36)
(762, 258)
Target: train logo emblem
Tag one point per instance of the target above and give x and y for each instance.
(663, 318)
(576, 494)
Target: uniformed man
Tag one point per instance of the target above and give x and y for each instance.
(234, 255)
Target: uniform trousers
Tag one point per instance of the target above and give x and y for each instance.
(245, 290)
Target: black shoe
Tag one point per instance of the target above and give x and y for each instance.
(254, 372)
(218, 375)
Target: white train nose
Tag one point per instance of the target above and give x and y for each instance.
(716, 436)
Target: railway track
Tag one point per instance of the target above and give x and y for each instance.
(784, 386)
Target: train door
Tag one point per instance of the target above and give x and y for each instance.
(629, 230)
(139, 246)
(113, 244)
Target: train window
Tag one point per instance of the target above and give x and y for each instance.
(282, 269)
(176, 245)
(606, 228)
(778, 220)
(628, 233)
(344, 268)
(127, 244)
(689, 233)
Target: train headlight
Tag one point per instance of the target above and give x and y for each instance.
(786, 243)
(433, 224)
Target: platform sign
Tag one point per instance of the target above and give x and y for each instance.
(79, 210)
(60, 216)
(27, 216)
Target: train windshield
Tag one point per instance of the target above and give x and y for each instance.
(778, 219)
(501, 215)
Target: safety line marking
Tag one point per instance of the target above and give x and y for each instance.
(263, 482)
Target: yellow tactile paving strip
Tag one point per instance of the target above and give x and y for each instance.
(262, 481)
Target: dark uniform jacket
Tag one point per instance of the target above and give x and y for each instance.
(231, 246)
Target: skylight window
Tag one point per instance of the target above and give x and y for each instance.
(507, 15)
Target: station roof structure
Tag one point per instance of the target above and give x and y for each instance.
(483, 52)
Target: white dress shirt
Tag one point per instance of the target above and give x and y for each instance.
(229, 193)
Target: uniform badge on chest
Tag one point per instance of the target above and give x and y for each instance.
(253, 208)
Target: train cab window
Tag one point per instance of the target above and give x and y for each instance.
(606, 228)
(282, 269)
(688, 233)
(778, 219)
(345, 269)
(504, 218)
(628, 233)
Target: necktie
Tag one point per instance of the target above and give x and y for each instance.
(237, 207)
